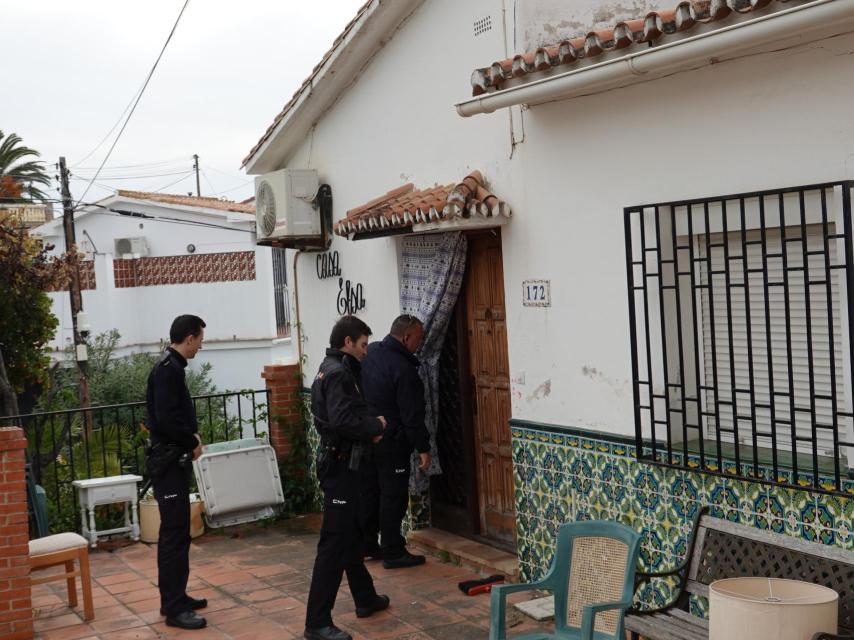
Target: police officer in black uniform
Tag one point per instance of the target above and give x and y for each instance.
(394, 389)
(175, 442)
(346, 430)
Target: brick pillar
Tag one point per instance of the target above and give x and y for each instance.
(285, 385)
(16, 609)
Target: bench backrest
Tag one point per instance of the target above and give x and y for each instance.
(725, 549)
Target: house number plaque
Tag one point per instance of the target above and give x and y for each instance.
(536, 293)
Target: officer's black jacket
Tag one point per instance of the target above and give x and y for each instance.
(171, 414)
(340, 411)
(394, 389)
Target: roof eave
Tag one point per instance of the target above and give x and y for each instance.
(802, 23)
(374, 28)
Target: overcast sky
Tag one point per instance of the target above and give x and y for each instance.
(71, 68)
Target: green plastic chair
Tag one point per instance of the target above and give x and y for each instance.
(592, 578)
(37, 505)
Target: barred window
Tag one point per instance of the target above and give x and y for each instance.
(741, 347)
(281, 301)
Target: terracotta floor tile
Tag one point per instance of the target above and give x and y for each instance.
(74, 632)
(258, 595)
(228, 577)
(116, 578)
(107, 625)
(248, 628)
(126, 587)
(253, 595)
(136, 596)
(139, 633)
(228, 615)
(279, 605)
(56, 621)
(151, 604)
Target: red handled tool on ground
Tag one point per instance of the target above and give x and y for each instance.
(484, 585)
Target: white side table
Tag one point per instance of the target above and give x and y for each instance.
(110, 490)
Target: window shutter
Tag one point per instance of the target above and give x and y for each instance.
(714, 311)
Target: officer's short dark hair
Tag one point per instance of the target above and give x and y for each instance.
(348, 326)
(184, 326)
(403, 324)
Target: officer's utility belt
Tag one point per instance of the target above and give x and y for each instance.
(159, 458)
(333, 452)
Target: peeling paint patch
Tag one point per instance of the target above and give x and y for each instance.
(594, 374)
(542, 391)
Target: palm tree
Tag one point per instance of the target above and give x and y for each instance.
(20, 176)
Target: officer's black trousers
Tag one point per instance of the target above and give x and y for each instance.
(340, 549)
(385, 498)
(172, 492)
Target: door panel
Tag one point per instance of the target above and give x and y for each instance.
(488, 360)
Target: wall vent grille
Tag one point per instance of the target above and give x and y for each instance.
(483, 25)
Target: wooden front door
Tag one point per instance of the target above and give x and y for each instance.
(490, 386)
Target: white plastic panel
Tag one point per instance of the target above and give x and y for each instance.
(238, 481)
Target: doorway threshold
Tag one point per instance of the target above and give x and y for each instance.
(464, 551)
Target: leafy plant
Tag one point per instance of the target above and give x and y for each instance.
(26, 321)
(298, 482)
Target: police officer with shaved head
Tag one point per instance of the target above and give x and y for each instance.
(394, 389)
(346, 430)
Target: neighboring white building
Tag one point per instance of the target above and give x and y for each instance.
(152, 256)
(580, 140)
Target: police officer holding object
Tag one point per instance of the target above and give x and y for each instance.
(175, 442)
(394, 389)
(346, 431)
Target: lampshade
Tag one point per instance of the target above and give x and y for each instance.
(770, 608)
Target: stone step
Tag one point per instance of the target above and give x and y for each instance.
(476, 555)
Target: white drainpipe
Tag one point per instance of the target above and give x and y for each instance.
(800, 21)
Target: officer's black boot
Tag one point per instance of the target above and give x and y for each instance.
(326, 633)
(186, 620)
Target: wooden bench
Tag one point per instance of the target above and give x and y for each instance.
(722, 549)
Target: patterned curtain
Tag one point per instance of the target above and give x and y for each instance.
(431, 279)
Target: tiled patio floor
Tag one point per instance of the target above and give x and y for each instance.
(256, 585)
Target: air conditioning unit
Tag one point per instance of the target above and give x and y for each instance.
(284, 207)
(130, 248)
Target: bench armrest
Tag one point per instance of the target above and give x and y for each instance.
(498, 605)
(680, 571)
(588, 615)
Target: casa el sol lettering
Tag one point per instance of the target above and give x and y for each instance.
(351, 297)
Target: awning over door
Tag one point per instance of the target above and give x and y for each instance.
(467, 204)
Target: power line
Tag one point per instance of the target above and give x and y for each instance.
(240, 186)
(138, 98)
(204, 175)
(151, 175)
(110, 132)
(142, 164)
(181, 179)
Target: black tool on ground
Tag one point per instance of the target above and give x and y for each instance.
(484, 585)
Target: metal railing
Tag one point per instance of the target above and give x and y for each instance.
(62, 450)
(742, 333)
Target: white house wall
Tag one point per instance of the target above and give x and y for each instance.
(760, 122)
(241, 331)
(395, 125)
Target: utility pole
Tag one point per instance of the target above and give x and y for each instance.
(196, 167)
(80, 351)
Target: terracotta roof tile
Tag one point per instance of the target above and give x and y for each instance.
(628, 33)
(403, 207)
(191, 201)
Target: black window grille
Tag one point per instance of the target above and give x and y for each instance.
(281, 301)
(741, 310)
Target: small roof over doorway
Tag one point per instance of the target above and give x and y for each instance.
(465, 205)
